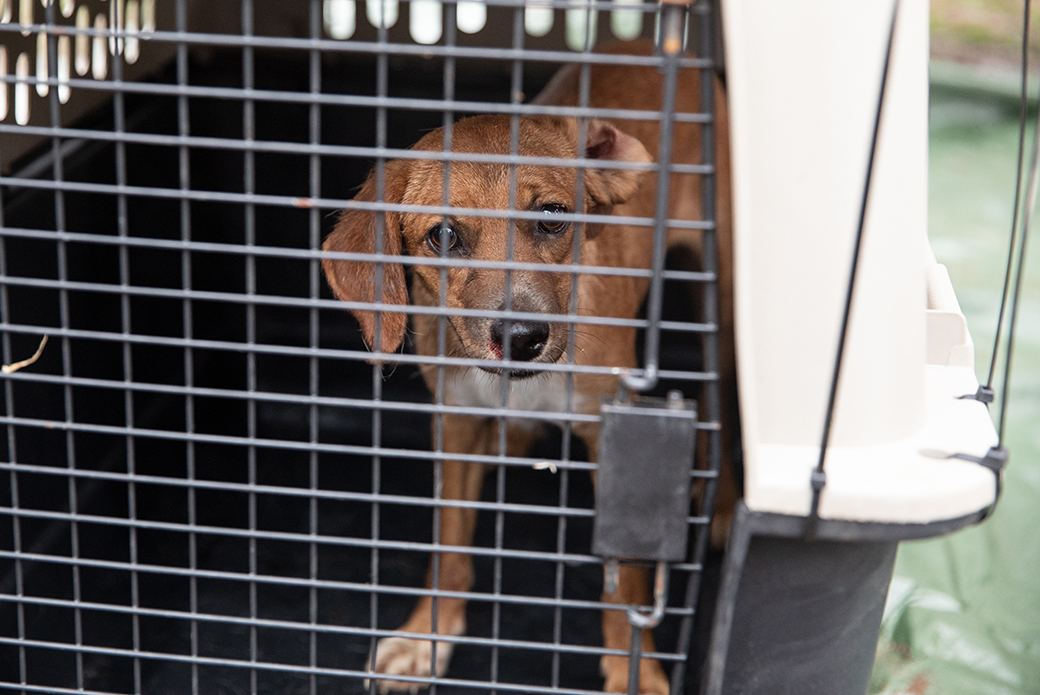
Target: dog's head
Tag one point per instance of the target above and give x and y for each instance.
(545, 189)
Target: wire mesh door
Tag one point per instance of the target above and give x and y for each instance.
(213, 482)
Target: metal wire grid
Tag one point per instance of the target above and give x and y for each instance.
(132, 513)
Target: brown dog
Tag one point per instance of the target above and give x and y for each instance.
(549, 190)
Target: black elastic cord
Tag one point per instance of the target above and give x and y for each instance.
(1023, 237)
(985, 393)
(996, 458)
(818, 478)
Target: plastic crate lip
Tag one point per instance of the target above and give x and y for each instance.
(912, 480)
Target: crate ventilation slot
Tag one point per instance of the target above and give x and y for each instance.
(122, 24)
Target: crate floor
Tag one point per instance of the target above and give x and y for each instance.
(222, 550)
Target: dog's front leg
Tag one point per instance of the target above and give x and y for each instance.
(461, 480)
(617, 634)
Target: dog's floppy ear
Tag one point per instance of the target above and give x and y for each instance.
(355, 281)
(613, 186)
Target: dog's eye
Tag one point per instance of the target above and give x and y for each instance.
(550, 224)
(438, 240)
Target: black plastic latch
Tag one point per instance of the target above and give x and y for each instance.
(984, 395)
(643, 482)
(818, 479)
(995, 459)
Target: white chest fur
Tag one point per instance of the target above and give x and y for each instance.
(546, 394)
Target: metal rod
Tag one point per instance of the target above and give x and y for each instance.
(711, 390)
(314, 338)
(635, 658)
(333, 47)
(333, 585)
(83, 136)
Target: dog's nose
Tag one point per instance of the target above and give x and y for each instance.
(526, 338)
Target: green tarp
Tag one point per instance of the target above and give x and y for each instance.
(963, 613)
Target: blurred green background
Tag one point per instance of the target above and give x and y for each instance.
(963, 614)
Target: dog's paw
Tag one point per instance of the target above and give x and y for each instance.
(652, 680)
(400, 656)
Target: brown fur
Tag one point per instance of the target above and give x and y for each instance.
(486, 186)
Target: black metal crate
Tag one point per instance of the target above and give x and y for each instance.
(209, 488)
